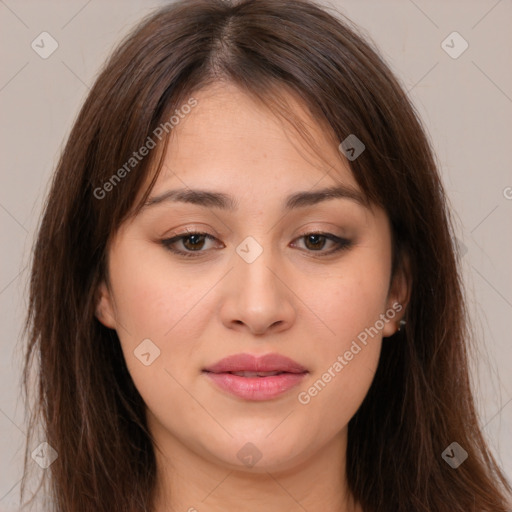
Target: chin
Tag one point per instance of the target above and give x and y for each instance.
(263, 454)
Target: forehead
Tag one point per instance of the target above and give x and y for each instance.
(230, 138)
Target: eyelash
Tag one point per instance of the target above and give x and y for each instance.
(342, 243)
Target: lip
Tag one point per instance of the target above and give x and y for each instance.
(250, 363)
(256, 388)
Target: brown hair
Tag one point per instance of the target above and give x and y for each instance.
(86, 403)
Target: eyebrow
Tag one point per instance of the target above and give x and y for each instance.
(209, 199)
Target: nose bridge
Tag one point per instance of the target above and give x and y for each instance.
(257, 295)
(256, 264)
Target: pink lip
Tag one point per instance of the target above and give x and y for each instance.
(256, 388)
(250, 363)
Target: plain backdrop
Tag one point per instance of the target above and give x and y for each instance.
(465, 104)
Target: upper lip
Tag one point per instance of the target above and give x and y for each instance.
(250, 363)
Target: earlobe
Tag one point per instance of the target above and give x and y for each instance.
(395, 322)
(398, 298)
(105, 311)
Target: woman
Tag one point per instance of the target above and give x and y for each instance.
(244, 291)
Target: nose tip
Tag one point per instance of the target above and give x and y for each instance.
(257, 299)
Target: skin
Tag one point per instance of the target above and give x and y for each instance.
(290, 300)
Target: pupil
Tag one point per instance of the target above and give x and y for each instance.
(315, 241)
(194, 239)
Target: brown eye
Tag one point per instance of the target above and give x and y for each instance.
(315, 242)
(192, 242)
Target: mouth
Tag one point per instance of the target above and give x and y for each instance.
(256, 378)
(256, 374)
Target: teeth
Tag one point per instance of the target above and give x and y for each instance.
(255, 374)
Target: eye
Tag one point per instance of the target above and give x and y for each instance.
(194, 243)
(315, 242)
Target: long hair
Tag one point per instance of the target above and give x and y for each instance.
(85, 401)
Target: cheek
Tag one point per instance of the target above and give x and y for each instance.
(153, 296)
(350, 305)
(350, 300)
(157, 302)
(336, 392)
(160, 324)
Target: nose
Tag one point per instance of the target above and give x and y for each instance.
(258, 297)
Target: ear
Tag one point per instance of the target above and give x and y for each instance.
(398, 296)
(105, 311)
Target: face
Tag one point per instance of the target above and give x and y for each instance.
(195, 281)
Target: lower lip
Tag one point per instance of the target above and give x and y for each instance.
(256, 388)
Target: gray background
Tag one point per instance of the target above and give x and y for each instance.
(465, 103)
